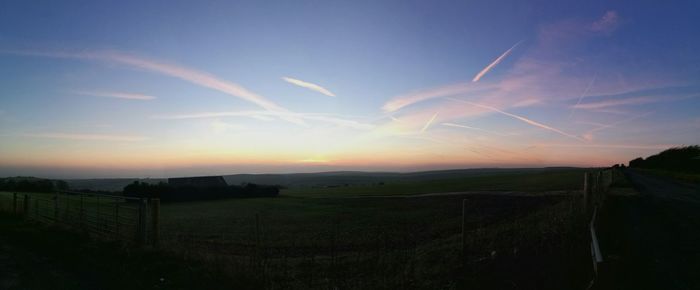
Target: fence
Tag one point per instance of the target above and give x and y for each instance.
(104, 216)
(595, 186)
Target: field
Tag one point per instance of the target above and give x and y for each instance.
(393, 234)
(391, 231)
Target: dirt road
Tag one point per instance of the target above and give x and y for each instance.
(652, 240)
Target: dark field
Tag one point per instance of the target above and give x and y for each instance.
(380, 234)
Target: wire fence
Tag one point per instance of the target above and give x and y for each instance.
(595, 187)
(104, 216)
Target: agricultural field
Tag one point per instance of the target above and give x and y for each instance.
(398, 233)
(386, 232)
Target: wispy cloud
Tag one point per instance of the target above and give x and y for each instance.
(310, 86)
(613, 146)
(472, 128)
(589, 135)
(494, 63)
(325, 118)
(428, 123)
(187, 74)
(573, 109)
(86, 137)
(613, 103)
(526, 120)
(118, 95)
(607, 23)
(399, 102)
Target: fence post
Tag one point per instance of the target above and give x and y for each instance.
(464, 230)
(26, 206)
(141, 233)
(14, 202)
(586, 191)
(258, 250)
(55, 207)
(155, 222)
(116, 218)
(82, 210)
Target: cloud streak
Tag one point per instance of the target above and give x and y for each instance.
(585, 91)
(494, 63)
(526, 120)
(117, 95)
(325, 118)
(471, 128)
(400, 102)
(428, 123)
(187, 74)
(87, 137)
(310, 86)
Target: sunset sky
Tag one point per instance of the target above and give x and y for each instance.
(98, 89)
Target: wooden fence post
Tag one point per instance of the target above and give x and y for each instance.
(82, 210)
(586, 191)
(116, 219)
(14, 202)
(155, 222)
(141, 232)
(464, 230)
(55, 207)
(26, 206)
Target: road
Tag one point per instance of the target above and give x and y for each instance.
(652, 240)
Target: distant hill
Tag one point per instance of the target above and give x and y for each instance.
(339, 178)
(318, 179)
(108, 184)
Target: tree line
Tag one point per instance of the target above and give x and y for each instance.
(166, 192)
(682, 159)
(31, 184)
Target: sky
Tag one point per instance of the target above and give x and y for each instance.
(178, 88)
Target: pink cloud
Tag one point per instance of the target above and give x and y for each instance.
(607, 23)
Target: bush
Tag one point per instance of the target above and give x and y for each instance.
(166, 192)
(683, 159)
(31, 184)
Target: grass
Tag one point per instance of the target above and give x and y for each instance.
(340, 237)
(41, 257)
(682, 176)
(546, 180)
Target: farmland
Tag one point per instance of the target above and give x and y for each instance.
(384, 234)
(392, 231)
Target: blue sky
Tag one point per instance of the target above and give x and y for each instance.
(96, 89)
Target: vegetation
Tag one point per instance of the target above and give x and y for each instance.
(679, 159)
(511, 180)
(42, 257)
(190, 193)
(327, 237)
(31, 184)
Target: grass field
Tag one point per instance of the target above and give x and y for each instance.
(523, 181)
(361, 235)
(376, 235)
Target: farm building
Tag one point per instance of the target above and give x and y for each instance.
(198, 182)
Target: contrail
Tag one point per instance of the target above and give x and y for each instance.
(194, 76)
(582, 95)
(326, 118)
(310, 86)
(429, 122)
(472, 128)
(494, 63)
(526, 120)
(118, 95)
(87, 137)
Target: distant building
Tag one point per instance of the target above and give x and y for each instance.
(198, 182)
